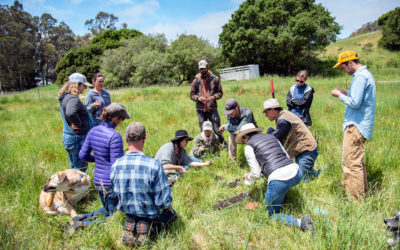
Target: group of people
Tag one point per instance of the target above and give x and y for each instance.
(140, 186)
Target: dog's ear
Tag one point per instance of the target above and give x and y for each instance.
(49, 200)
(61, 177)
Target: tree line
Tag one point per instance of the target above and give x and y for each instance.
(281, 36)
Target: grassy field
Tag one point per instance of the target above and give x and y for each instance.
(31, 151)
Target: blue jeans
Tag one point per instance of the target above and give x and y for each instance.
(276, 192)
(73, 144)
(109, 200)
(306, 162)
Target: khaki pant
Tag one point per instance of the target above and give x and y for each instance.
(354, 170)
(232, 147)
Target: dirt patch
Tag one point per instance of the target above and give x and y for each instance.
(231, 201)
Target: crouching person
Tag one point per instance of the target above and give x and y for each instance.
(142, 188)
(265, 154)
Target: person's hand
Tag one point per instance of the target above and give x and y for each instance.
(96, 104)
(182, 170)
(336, 93)
(73, 125)
(210, 99)
(201, 149)
(222, 128)
(210, 163)
(245, 176)
(201, 99)
(344, 92)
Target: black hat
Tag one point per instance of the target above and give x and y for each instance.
(180, 134)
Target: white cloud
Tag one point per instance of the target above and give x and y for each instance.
(148, 7)
(207, 26)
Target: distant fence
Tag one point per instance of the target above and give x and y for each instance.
(240, 73)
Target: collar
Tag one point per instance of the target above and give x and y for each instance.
(358, 71)
(108, 124)
(134, 153)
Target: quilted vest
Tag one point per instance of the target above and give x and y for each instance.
(269, 153)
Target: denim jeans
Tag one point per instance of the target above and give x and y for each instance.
(306, 162)
(109, 200)
(73, 144)
(166, 218)
(276, 192)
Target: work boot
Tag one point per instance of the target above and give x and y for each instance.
(143, 230)
(129, 238)
(306, 223)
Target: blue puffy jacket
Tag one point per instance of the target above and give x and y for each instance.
(107, 147)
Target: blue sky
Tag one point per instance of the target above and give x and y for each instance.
(203, 18)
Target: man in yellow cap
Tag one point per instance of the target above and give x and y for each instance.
(359, 117)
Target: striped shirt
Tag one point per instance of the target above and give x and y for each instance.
(141, 185)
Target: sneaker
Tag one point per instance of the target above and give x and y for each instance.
(129, 238)
(72, 226)
(306, 223)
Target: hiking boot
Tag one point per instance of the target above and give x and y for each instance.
(72, 226)
(306, 223)
(142, 240)
(129, 238)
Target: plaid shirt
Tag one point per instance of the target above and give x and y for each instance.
(141, 185)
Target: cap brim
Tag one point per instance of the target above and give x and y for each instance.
(227, 112)
(337, 65)
(88, 84)
(239, 137)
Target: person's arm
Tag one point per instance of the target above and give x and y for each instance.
(201, 164)
(218, 89)
(89, 100)
(194, 91)
(289, 102)
(116, 148)
(196, 149)
(255, 170)
(174, 167)
(71, 112)
(86, 149)
(161, 190)
(305, 101)
(356, 93)
(283, 128)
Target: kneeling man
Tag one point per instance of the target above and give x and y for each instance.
(142, 189)
(265, 154)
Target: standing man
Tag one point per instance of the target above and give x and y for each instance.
(359, 118)
(237, 116)
(295, 137)
(205, 91)
(142, 189)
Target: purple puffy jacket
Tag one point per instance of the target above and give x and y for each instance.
(107, 147)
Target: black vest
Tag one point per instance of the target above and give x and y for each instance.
(269, 153)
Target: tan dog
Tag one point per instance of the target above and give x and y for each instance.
(63, 191)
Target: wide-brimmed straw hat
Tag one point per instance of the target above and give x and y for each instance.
(180, 134)
(247, 129)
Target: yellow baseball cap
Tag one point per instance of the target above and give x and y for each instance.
(345, 57)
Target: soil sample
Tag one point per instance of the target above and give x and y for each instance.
(230, 201)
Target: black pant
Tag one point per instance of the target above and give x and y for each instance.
(212, 116)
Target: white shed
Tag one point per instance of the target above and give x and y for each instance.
(240, 72)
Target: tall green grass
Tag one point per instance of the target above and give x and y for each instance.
(31, 151)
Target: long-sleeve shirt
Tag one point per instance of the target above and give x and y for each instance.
(141, 185)
(285, 173)
(103, 98)
(360, 102)
(245, 116)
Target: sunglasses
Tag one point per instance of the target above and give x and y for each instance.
(300, 81)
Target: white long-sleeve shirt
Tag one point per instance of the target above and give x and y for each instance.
(284, 173)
